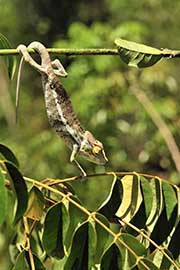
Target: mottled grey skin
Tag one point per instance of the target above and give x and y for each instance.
(59, 108)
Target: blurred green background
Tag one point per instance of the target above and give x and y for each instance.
(98, 87)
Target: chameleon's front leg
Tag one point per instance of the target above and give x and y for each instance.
(58, 68)
(72, 159)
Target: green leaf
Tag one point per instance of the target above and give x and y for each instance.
(113, 201)
(102, 237)
(20, 190)
(174, 244)
(157, 203)
(141, 216)
(112, 259)
(8, 155)
(76, 218)
(55, 228)
(147, 195)
(83, 247)
(37, 262)
(21, 262)
(145, 264)
(138, 55)
(170, 199)
(168, 216)
(129, 246)
(3, 198)
(35, 204)
(10, 60)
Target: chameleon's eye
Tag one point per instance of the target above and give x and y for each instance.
(96, 149)
(52, 85)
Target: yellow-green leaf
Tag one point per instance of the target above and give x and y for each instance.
(138, 55)
(35, 204)
(3, 198)
(10, 60)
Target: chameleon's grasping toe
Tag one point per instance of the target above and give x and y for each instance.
(59, 108)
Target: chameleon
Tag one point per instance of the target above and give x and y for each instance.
(60, 112)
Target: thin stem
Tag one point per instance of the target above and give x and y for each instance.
(88, 51)
(27, 231)
(157, 120)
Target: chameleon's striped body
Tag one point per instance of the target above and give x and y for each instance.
(59, 108)
(60, 113)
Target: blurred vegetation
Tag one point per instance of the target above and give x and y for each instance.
(97, 86)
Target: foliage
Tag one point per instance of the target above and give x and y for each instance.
(55, 228)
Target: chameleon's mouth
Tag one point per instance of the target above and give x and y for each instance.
(100, 159)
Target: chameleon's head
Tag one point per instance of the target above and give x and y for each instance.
(93, 149)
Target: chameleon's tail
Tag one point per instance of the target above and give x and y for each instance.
(41, 49)
(18, 86)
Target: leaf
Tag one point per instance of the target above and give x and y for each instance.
(20, 190)
(158, 235)
(145, 264)
(37, 262)
(21, 262)
(170, 199)
(132, 197)
(82, 251)
(130, 246)
(55, 227)
(112, 259)
(35, 204)
(3, 198)
(8, 155)
(147, 195)
(141, 216)
(102, 237)
(138, 55)
(160, 260)
(113, 201)
(157, 203)
(174, 245)
(10, 60)
(76, 218)
(168, 216)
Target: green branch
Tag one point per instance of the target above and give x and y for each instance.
(63, 51)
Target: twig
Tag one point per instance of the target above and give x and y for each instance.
(157, 120)
(27, 231)
(88, 51)
(166, 53)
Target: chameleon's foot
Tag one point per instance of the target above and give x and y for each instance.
(84, 174)
(58, 68)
